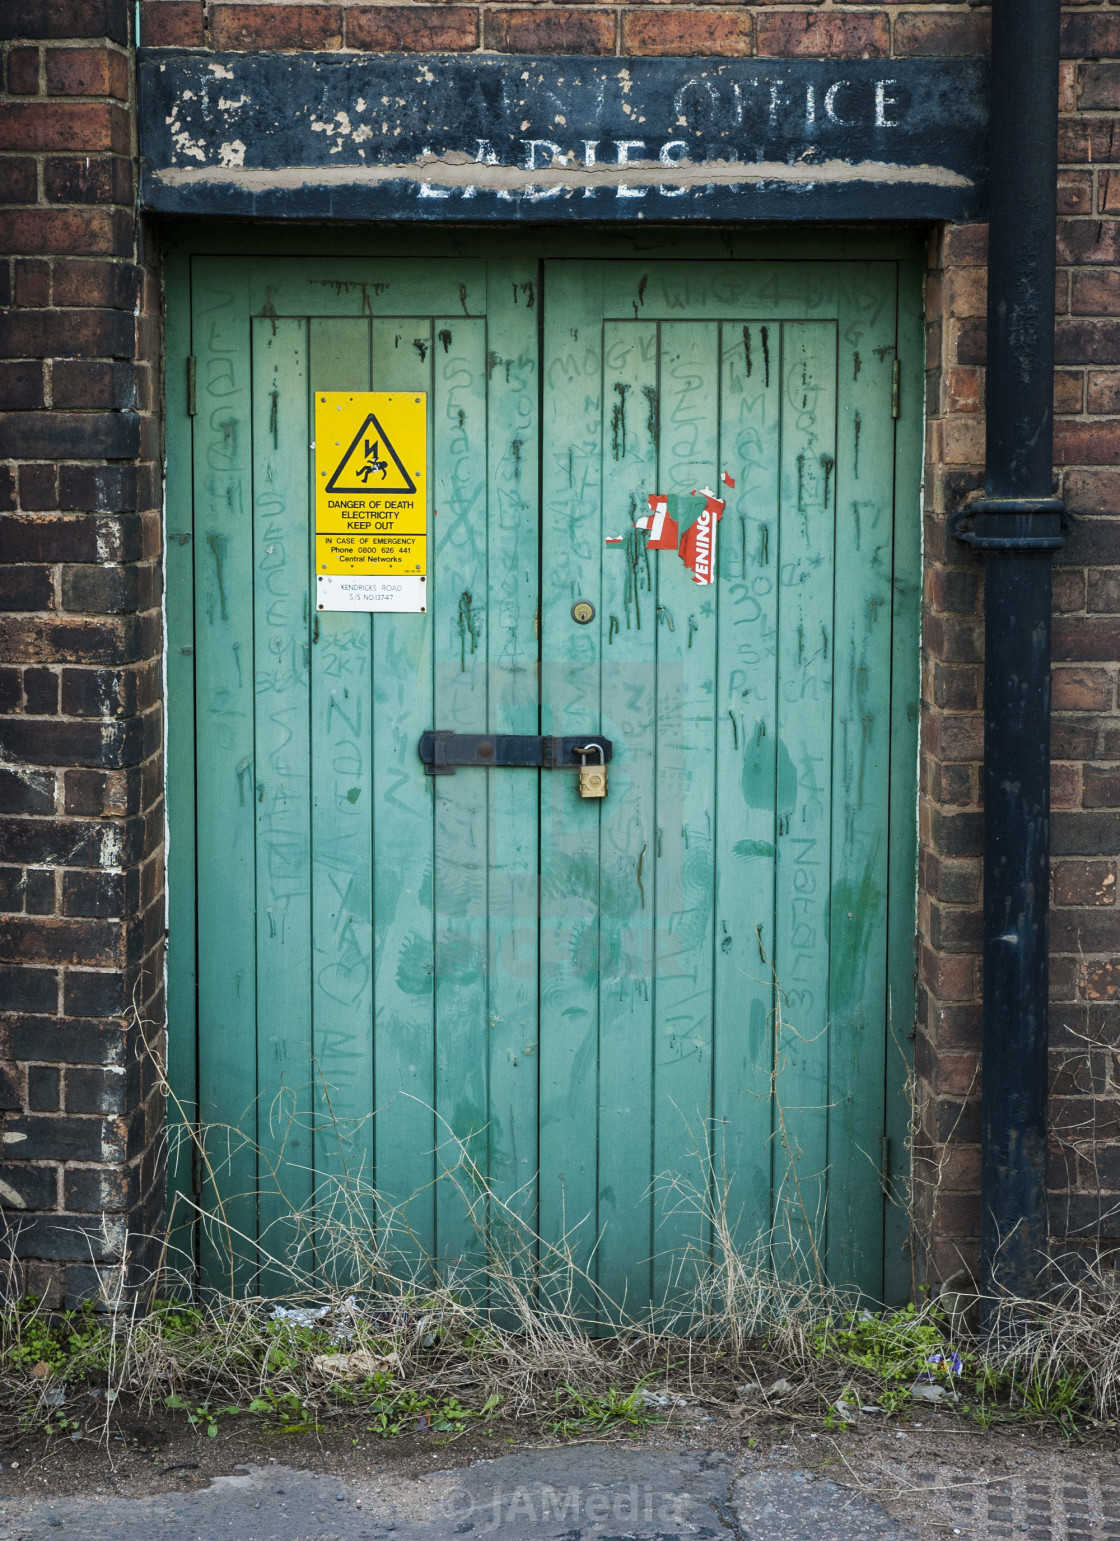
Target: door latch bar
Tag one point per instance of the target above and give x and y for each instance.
(443, 752)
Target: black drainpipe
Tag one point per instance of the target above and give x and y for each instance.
(1018, 525)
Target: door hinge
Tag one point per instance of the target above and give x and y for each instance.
(192, 385)
(895, 372)
(885, 1165)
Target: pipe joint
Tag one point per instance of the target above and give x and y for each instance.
(1012, 524)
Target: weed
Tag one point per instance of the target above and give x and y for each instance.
(582, 1415)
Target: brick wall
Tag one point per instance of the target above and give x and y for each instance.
(1085, 920)
(830, 28)
(81, 819)
(82, 913)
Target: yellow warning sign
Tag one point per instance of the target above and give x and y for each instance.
(371, 499)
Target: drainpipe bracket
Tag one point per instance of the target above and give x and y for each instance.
(1012, 524)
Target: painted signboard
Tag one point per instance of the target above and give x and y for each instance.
(351, 137)
(371, 521)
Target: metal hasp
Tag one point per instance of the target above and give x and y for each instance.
(443, 752)
(1017, 525)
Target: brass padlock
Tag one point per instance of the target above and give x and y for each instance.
(592, 778)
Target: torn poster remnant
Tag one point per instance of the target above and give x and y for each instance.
(660, 524)
(697, 546)
(698, 543)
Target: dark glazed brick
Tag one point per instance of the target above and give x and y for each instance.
(97, 285)
(11, 1098)
(944, 35)
(62, 1138)
(88, 384)
(38, 488)
(101, 590)
(104, 894)
(65, 19)
(34, 435)
(26, 588)
(40, 692)
(94, 995)
(43, 1085)
(39, 891)
(66, 1042)
(28, 989)
(37, 1186)
(70, 1236)
(23, 790)
(21, 385)
(87, 179)
(92, 1090)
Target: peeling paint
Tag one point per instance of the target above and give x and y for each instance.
(347, 137)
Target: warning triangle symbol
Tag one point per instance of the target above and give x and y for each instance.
(371, 464)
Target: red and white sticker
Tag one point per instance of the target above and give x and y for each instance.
(662, 528)
(698, 544)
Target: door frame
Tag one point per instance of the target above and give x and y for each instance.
(906, 246)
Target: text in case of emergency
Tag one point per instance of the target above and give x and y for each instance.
(371, 499)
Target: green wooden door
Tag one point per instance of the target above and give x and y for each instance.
(436, 1004)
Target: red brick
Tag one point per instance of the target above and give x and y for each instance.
(950, 976)
(965, 246)
(681, 32)
(19, 182)
(1108, 193)
(1085, 443)
(412, 28)
(925, 33)
(171, 24)
(33, 284)
(1069, 390)
(88, 232)
(1092, 491)
(1069, 592)
(99, 285)
(1101, 786)
(275, 27)
(72, 126)
(552, 31)
(1075, 194)
(1095, 294)
(1083, 340)
(1085, 882)
(1086, 639)
(1088, 240)
(1104, 391)
(1092, 141)
(1065, 784)
(1084, 36)
(23, 72)
(87, 72)
(824, 35)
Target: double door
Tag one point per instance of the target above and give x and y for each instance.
(455, 1005)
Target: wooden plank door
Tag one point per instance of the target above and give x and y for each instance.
(715, 998)
(440, 1009)
(359, 1049)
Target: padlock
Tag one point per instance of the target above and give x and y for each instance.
(592, 778)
